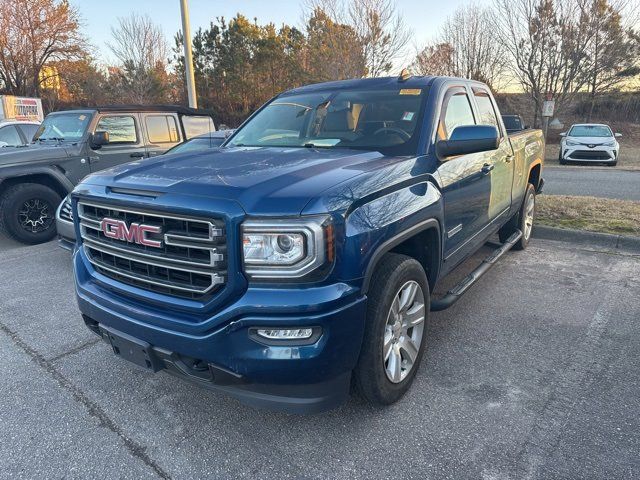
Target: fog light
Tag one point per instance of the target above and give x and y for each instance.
(285, 333)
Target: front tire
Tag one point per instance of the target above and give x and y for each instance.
(395, 332)
(28, 211)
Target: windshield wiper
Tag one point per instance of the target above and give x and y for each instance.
(57, 139)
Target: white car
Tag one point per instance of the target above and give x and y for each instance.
(589, 142)
(15, 133)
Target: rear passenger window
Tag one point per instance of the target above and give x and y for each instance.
(195, 126)
(162, 129)
(457, 112)
(121, 128)
(485, 109)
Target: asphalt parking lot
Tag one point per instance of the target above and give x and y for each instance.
(535, 373)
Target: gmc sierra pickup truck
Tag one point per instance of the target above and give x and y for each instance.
(299, 258)
(71, 144)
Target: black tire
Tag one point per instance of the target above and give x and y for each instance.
(13, 202)
(518, 221)
(370, 377)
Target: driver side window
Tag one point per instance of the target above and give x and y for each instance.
(456, 111)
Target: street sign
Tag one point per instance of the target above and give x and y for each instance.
(548, 107)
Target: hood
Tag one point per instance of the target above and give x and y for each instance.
(264, 181)
(591, 140)
(32, 153)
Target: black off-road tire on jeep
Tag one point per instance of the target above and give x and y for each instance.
(520, 219)
(371, 380)
(34, 198)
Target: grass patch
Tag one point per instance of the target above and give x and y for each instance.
(589, 213)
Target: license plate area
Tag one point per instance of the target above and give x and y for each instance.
(132, 349)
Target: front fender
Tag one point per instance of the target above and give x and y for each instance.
(18, 171)
(374, 228)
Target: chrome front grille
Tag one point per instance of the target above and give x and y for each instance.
(66, 212)
(190, 261)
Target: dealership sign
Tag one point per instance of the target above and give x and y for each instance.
(21, 108)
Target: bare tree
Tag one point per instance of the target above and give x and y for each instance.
(466, 47)
(32, 34)
(382, 31)
(547, 42)
(141, 48)
(138, 41)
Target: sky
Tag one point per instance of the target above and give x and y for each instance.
(423, 17)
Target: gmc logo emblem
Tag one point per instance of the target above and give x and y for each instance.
(134, 233)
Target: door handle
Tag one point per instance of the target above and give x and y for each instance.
(487, 167)
(509, 158)
(137, 155)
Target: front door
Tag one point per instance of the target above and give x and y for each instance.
(466, 182)
(126, 142)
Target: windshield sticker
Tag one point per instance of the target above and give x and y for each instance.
(82, 117)
(411, 91)
(408, 116)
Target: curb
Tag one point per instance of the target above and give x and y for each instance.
(583, 237)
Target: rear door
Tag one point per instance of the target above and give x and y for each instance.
(466, 186)
(126, 142)
(162, 132)
(500, 160)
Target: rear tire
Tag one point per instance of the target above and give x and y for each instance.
(395, 331)
(522, 221)
(28, 212)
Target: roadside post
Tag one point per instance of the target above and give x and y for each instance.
(547, 112)
(188, 56)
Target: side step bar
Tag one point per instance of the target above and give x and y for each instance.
(456, 292)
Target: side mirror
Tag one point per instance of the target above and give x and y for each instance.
(617, 135)
(469, 139)
(98, 139)
(526, 127)
(563, 134)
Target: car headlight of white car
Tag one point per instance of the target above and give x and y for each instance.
(612, 143)
(571, 143)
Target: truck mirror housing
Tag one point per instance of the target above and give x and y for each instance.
(468, 139)
(98, 139)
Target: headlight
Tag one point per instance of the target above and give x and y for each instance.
(571, 143)
(286, 248)
(610, 144)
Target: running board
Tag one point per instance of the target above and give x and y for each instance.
(456, 292)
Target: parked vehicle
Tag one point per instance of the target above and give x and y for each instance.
(302, 253)
(514, 123)
(589, 142)
(64, 213)
(70, 145)
(16, 133)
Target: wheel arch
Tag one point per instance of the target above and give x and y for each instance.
(62, 186)
(421, 242)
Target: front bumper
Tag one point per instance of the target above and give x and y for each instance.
(582, 153)
(293, 378)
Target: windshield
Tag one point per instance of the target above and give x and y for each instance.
(63, 126)
(383, 120)
(590, 131)
(197, 144)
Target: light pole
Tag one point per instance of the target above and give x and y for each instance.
(188, 56)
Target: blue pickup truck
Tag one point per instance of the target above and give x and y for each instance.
(297, 261)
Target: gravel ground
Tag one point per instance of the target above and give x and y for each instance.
(535, 373)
